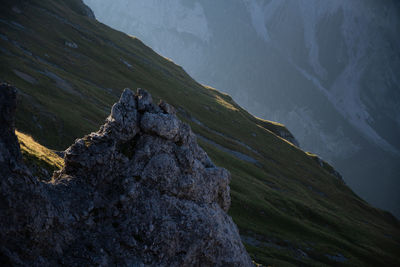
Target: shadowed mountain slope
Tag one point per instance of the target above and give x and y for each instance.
(326, 69)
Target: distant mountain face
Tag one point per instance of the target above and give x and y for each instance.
(329, 70)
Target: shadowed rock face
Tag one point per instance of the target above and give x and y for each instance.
(10, 156)
(140, 191)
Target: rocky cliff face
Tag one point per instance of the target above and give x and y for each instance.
(10, 156)
(140, 191)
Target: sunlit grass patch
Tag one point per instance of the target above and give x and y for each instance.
(224, 103)
(269, 122)
(31, 149)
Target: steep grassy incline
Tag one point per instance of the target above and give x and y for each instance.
(41, 161)
(290, 207)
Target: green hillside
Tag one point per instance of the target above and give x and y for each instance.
(290, 207)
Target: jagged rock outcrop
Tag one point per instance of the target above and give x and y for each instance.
(139, 192)
(285, 134)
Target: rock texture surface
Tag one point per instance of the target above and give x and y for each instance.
(139, 192)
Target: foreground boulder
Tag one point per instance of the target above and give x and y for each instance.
(139, 192)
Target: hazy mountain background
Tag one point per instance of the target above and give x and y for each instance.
(329, 70)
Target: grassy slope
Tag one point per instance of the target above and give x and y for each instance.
(285, 203)
(39, 159)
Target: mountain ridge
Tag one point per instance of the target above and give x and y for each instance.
(324, 69)
(285, 204)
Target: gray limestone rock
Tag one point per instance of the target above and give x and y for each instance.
(139, 192)
(164, 125)
(167, 107)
